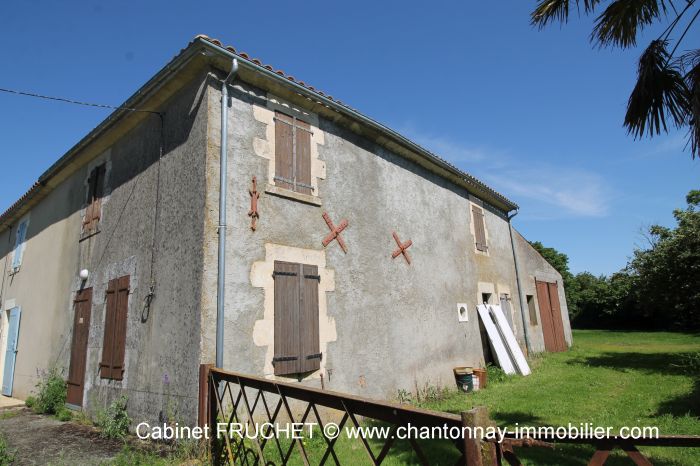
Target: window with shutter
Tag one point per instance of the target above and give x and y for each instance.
(479, 229)
(292, 154)
(93, 211)
(114, 342)
(296, 319)
(20, 239)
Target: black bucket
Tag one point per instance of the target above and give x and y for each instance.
(464, 377)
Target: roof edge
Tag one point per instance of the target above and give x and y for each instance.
(182, 59)
(352, 113)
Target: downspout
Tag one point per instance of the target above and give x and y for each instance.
(526, 322)
(223, 180)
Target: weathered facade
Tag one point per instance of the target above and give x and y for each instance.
(135, 204)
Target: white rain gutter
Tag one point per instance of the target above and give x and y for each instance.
(526, 322)
(223, 181)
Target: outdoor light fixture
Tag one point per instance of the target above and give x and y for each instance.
(84, 274)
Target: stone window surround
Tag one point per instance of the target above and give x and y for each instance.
(265, 148)
(264, 329)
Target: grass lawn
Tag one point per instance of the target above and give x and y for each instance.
(608, 379)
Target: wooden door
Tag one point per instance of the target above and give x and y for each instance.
(81, 329)
(557, 322)
(550, 316)
(545, 316)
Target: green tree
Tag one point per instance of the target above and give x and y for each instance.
(660, 286)
(667, 91)
(668, 272)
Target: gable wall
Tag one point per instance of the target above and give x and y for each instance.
(390, 325)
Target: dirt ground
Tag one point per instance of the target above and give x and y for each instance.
(44, 440)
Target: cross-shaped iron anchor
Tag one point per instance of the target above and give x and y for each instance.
(253, 212)
(402, 248)
(335, 233)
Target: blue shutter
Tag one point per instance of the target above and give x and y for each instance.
(19, 244)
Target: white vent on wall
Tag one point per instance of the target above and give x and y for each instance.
(462, 312)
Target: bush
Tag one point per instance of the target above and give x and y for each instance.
(30, 402)
(64, 414)
(495, 374)
(51, 393)
(115, 421)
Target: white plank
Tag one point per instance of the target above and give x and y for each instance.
(516, 354)
(499, 350)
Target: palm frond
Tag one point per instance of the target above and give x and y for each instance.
(660, 94)
(557, 10)
(690, 64)
(623, 19)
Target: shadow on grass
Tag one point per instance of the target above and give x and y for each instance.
(575, 455)
(656, 363)
(510, 418)
(688, 403)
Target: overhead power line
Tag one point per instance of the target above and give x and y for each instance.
(76, 102)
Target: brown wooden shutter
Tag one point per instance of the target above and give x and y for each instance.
(302, 170)
(93, 212)
(479, 229)
(284, 151)
(114, 343)
(120, 328)
(286, 359)
(310, 353)
(108, 340)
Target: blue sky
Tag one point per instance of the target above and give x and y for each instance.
(536, 114)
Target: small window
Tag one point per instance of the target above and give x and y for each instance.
(296, 319)
(93, 211)
(114, 342)
(479, 229)
(292, 154)
(486, 298)
(20, 243)
(531, 309)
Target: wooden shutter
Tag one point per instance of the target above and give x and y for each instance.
(310, 353)
(108, 340)
(297, 348)
(93, 212)
(479, 229)
(114, 343)
(20, 238)
(302, 158)
(284, 151)
(286, 359)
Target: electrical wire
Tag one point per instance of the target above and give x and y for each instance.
(76, 102)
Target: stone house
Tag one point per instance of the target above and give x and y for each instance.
(353, 259)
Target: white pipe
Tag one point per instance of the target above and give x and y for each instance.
(223, 180)
(523, 314)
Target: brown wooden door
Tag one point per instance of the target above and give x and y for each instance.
(550, 316)
(557, 322)
(81, 328)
